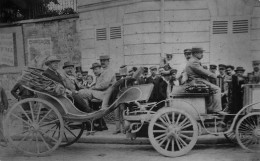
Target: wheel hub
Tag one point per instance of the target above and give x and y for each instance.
(35, 127)
(257, 132)
(173, 131)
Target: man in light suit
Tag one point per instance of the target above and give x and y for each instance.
(197, 74)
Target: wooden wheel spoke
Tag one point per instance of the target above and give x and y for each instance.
(38, 114)
(188, 125)
(31, 109)
(159, 131)
(178, 119)
(182, 141)
(54, 131)
(183, 122)
(66, 137)
(44, 141)
(184, 136)
(163, 121)
(70, 132)
(167, 118)
(162, 140)
(161, 126)
(178, 144)
(45, 116)
(173, 117)
(249, 124)
(159, 136)
(167, 144)
(173, 140)
(23, 139)
(21, 119)
(45, 134)
(186, 132)
(245, 128)
(37, 143)
(49, 123)
(29, 119)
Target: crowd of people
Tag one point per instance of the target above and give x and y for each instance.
(224, 80)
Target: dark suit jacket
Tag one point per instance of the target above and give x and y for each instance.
(158, 92)
(53, 76)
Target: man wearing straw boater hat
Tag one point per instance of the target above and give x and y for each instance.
(51, 72)
(197, 74)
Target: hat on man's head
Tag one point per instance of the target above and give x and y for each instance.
(94, 65)
(239, 69)
(187, 51)
(84, 73)
(256, 62)
(212, 66)
(51, 59)
(104, 57)
(195, 49)
(153, 68)
(230, 66)
(68, 64)
(173, 71)
(133, 69)
(221, 66)
(166, 73)
(123, 70)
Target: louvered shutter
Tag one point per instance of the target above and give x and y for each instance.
(220, 27)
(101, 34)
(240, 26)
(115, 32)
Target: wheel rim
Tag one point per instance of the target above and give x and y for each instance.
(29, 127)
(173, 138)
(248, 132)
(72, 132)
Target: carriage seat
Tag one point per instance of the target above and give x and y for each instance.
(181, 91)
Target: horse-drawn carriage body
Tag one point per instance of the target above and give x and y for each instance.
(37, 126)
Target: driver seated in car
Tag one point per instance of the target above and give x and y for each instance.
(197, 74)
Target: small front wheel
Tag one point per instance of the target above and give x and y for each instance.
(173, 132)
(248, 132)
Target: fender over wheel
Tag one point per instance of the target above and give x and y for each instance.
(248, 132)
(28, 127)
(172, 132)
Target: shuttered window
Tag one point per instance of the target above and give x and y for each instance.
(115, 32)
(240, 26)
(101, 34)
(220, 27)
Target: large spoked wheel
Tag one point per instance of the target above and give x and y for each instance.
(173, 132)
(248, 132)
(28, 126)
(72, 133)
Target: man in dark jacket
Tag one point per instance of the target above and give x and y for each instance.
(53, 63)
(156, 96)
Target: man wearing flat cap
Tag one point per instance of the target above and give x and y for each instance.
(51, 72)
(197, 74)
(108, 75)
(256, 71)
